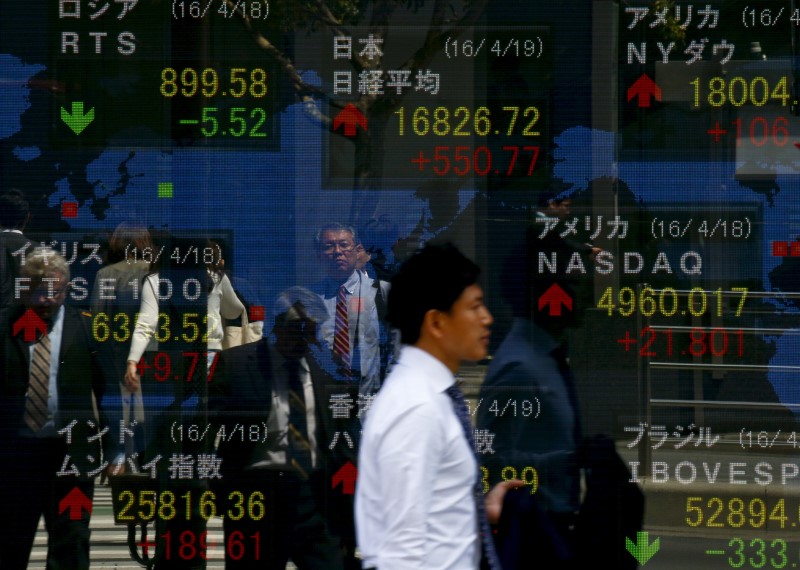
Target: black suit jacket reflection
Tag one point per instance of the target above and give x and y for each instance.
(78, 377)
(240, 392)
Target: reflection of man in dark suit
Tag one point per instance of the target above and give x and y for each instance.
(279, 385)
(530, 368)
(51, 420)
(545, 439)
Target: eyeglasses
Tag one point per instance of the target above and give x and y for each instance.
(345, 246)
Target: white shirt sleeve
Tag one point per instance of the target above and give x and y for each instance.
(410, 451)
(145, 327)
(230, 306)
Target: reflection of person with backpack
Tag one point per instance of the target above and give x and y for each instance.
(183, 302)
(115, 300)
(216, 288)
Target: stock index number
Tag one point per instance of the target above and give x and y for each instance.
(207, 82)
(119, 327)
(737, 512)
(463, 122)
(668, 301)
(738, 91)
(150, 505)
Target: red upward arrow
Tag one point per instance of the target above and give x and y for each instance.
(30, 323)
(350, 117)
(644, 88)
(346, 475)
(75, 501)
(555, 297)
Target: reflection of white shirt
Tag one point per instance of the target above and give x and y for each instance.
(222, 302)
(278, 421)
(363, 324)
(415, 506)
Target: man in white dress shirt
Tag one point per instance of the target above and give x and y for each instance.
(416, 505)
(355, 334)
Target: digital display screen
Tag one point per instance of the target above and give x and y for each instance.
(220, 192)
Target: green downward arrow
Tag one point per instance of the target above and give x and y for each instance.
(77, 121)
(641, 550)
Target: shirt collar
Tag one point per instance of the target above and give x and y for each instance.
(431, 370)
(349, 284)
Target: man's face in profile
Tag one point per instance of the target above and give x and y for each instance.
(466, 326)
(46, 296)
(337, 252)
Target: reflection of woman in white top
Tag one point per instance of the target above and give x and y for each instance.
(222, 304)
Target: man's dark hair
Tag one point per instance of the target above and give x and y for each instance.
(432, 278)
(13, 210)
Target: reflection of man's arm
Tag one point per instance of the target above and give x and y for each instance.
(142, 333)
(506, 398)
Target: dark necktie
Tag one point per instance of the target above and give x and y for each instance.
(560, 356)
(38, 385)
(299, 445)
(487, 543)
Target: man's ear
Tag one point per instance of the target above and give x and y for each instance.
(432, 324)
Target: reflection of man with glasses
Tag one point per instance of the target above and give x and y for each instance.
(355, 332)
(50, 427)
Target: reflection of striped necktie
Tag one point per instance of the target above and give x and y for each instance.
(487, 542)
(38, 385)
(299, 445)
(341, 331)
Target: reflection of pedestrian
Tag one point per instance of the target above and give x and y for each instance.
(419, 502)
(279, 385)
(46, 387)
(355, 332)
(182, 303)
(115, 300)
(215, 287)
(530, 373)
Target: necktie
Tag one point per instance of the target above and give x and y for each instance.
(341, 331)
(38, 385)
(560, 356)
(489, 553)
(299, 446)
